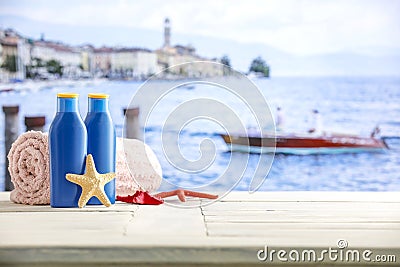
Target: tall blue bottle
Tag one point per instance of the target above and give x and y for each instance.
(101, 140)
(67, 145)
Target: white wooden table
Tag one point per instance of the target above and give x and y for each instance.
(230, 232)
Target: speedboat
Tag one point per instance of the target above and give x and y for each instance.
(304, 144)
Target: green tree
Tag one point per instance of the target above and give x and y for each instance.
(54, 67)
(29, 72)
(226, 60)
(32, 69)
(227, 64)
(259, 65)
(10, 63)
(37, 62)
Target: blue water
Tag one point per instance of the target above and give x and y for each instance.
(351, 105)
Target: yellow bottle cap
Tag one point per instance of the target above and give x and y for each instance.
(97, 95)
(67, 95)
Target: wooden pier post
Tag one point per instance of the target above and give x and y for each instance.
(132, 125)
(11, 131)
(35, 123)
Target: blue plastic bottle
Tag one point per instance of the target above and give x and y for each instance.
(101, 140)
(67, 145)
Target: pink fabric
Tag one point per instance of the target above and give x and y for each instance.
(137, 168)
(29, 169)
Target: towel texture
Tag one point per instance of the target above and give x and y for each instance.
(29, 169)
(137, 168)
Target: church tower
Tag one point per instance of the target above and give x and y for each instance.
(167, 33)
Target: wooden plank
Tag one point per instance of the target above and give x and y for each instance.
(61, 228)
(7, 206)
(168, 221)
(127, 256)
(309, 213)
(250, 227)
(313, 196)
(382, 233)
(261, 205)
(298, 219)
(373, 238)
(158, 256)
(390, 215)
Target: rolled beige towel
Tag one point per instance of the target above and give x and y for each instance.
(137, 168)
(29, 169)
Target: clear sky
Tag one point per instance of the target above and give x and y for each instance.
(300, 28)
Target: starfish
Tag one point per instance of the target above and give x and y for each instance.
(92, 183)
(181, 193)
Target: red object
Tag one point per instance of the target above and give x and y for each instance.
(181, 193)
(142, 198)
(311, 144)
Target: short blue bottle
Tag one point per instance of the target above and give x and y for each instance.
(67, 145)
(101, 140)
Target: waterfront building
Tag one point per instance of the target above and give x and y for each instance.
(169, 56)
(102, 61)
(87, 54)
(12, 44)
(136, 63)
(68, 56)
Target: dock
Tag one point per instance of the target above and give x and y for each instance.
(240, 230)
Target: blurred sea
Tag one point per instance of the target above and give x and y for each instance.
(350, 105)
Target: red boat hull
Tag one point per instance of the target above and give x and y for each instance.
(304, 144)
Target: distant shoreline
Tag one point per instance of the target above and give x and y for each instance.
(38, 85)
